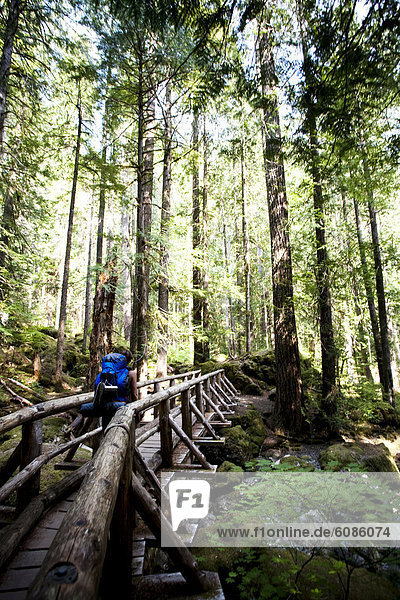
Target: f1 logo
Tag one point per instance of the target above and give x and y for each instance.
(189, 499)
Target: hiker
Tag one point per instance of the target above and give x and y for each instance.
(115, 387)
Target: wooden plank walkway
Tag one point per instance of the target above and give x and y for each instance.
(22, 569)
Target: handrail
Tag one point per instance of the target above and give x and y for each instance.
(167, 378)
(52, 407)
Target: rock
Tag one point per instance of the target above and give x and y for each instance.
(370, 457)
(227, 466)
(238, 446)
(383, 414)
(252, 389)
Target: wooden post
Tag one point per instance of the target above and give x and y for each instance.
(186, 413)
(199, 397)
(165, 434)
(11, 465)
(157, 388)
(218, 378)
(173, 400)
(31, 448)
(207, 392)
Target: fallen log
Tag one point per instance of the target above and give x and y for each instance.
(27, 389)
(22, 401)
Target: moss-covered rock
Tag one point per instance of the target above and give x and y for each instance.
(369, 457)
(227, 467)
(383, 414)
(238, 446)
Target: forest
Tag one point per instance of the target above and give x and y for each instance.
(211, 184)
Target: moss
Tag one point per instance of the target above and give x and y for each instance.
(227, 466)
(52, 428)
(369, 456)
(238, 447)
(384, 414)
(208, 367)
(253, 389)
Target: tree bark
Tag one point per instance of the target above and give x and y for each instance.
(328, 349)
(88, 290)
(126, 280)
(204, 240)
(246, 247)
(361, 353)
(103, 180)
(14, 11)
(64, 289)
(103, 316)
(163, 286)
(288, 375)
(196, 245)
(139, 209)
(387, 383)
(230, 321)
(144, 216)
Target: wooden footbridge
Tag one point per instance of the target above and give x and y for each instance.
(90, 535)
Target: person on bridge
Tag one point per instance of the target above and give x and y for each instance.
(115, 387)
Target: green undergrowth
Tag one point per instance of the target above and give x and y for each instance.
(273, 574)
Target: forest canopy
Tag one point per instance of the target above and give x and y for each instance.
(201, 181)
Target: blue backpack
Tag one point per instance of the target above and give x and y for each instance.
(115, 376)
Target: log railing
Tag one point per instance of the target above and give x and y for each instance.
(101, 516)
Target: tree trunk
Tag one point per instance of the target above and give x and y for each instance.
(14, 11)
(246, 248)
(103, 179)
(288, 375)
(204, 240)
(387, 383)
(103, 315)
(163, 286)
(328, 350)
(88, 284)
(139, 210)
(144, 215)
(196, 244)
(64, 289)
(369, 293)
(127, 307)
(8, 220)
(361, 352)
(230, 321)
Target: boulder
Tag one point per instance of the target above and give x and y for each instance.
(227, 466)
(238, 446)
(369, 457)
